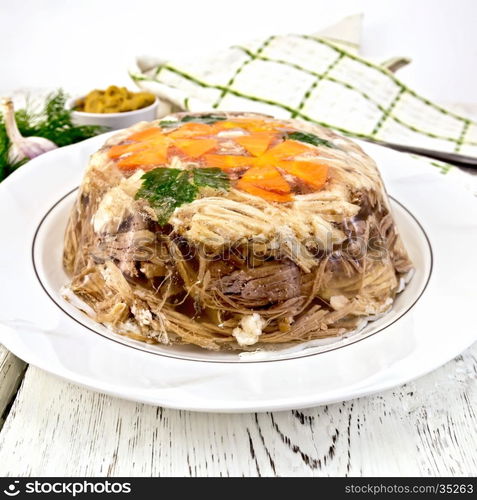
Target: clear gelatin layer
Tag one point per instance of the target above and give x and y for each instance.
(233, 231)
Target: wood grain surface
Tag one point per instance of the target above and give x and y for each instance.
(427, 427)
(11, 374)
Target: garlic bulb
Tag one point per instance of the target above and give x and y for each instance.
(22, 148)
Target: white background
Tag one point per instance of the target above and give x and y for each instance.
(81, 44)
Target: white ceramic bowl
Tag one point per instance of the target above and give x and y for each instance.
(114, 121)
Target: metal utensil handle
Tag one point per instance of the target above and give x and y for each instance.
(452, 158)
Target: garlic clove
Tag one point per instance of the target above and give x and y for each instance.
(22, 148)
(29, 147)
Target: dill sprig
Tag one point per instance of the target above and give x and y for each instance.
(53, 121)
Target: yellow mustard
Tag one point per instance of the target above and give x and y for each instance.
(114, 100)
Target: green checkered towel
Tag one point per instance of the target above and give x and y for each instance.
(315, 79)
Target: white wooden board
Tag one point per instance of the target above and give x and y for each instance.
(11, 374)
(427, 427)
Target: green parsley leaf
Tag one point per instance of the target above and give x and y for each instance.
(310, 139)
(212, 177)
(168, 188)
(167, 123)
(206, 118)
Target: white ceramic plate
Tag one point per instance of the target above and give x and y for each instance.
(430, 323)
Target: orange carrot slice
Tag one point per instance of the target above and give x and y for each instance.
(287, 149)
(313, 173)
(249, 124)
(191, 129)
(258, 126)
(156, 156)
(121, 149)
(195, 147)
(263, 193)
(147, 133)
(268, 178)
(224, 125)
(255, 144)
(227, 162)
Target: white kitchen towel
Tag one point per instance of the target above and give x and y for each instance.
(316, 79)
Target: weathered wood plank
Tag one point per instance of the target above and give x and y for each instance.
(12, 370)
(428, 427)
